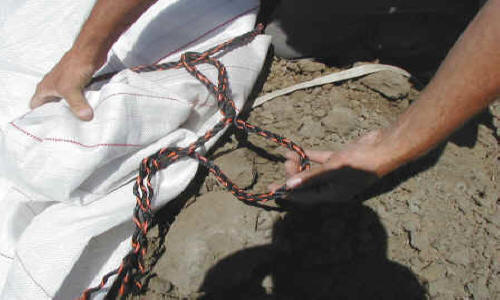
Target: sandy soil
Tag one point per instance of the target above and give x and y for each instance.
(429, 230)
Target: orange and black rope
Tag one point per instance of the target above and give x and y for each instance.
(132, 268)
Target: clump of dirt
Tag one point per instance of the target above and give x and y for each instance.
(429, 230)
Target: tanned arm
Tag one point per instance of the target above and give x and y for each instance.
(107, 21)
(466, 82)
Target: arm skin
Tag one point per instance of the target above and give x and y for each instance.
(107, 21)
(466, 82)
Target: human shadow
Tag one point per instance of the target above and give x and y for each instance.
(413, 35)
(334, 251)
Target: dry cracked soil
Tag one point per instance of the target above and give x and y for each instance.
(430, 230)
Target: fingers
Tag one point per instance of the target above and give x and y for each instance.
(79, 106)
(42, 96)
(291, 168)
(77, 102)
(38, 100)
(67, 79)
(319, 156)
(292, 165)
(300, 178)
(314, 155)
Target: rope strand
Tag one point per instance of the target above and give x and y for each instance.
(132, 268)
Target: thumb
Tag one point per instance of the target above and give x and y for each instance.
(79, 106)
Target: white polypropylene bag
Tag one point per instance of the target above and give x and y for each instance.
(66, 185)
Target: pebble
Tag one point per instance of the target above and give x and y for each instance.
(212, 228)
(419, 240)
(445, 286)
(310, 128)
(265, 220)
(480, 289)
(341, 120)
(413, 205)
(320, 113)
(389, 84)
(300, 96)
(460, 257)
(310, 66)
(237, 167)
(433, 272)
(160, 285)
(267, 284)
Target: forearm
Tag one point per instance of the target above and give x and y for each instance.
(107, 21)
(467, 81)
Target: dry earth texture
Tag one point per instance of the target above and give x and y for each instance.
(429, 230)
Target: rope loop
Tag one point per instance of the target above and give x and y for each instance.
(132, 268)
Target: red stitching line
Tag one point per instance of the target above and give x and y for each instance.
(26, 132)
(194, 103)
(206, 33)
(50, 139)
(38, 139)
(132, 145)
(90, 146)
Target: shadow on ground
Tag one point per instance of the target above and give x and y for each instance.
(415, 35)
(331, 252)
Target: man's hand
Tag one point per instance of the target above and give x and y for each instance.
(466, 82)
(107, 21)
(339, 175)
(67, 80)
(361, 155)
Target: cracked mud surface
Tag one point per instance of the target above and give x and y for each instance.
(429, 230)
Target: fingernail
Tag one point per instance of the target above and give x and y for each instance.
(293, 182)
(85, 113)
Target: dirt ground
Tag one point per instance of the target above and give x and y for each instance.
(429, 230)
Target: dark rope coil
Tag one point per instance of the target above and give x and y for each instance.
(132, 268)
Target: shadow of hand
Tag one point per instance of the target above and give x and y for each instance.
(332, 186)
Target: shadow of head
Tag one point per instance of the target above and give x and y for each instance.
(324, 252)
(412, 34)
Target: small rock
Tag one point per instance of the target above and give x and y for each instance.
(310, 128)
(299, 96)
(266, 117)
(460, 257)
(292, 66)
(433, 272)
(337, 97)
(341, 120)
(320, 113)
(327, 87)
(480, 289)
(445, 286)
(414, 205)
(416, 264)
(268, 284)
(419, 240)
(209, 230)
(403, 104)
(411, 223)
(310, 66)
(237, 167)
(265, 220)
(390, 84)
(160, 285)
(261, 160)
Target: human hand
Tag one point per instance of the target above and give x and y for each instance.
(67, 79)
(340, 175)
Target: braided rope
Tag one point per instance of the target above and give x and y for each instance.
(132, 268)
